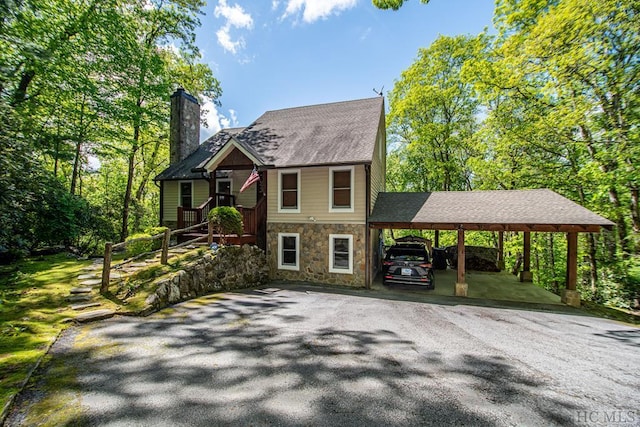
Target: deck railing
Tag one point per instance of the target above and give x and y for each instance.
(192, 216)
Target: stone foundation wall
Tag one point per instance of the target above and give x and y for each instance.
(314, 253)
(231, 268)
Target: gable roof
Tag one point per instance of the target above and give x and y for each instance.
(184, 169)
(512, 210)
(325, 134)
(336, 133)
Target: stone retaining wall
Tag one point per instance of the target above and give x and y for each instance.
(231, 268)
(314, 253)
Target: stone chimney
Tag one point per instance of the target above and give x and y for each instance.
(184, 133)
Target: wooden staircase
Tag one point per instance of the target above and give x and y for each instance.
(254, 220)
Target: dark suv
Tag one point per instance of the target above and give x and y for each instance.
(407, 264)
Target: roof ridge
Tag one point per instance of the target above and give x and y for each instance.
(300, 107)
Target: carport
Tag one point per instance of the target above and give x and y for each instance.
(499, 210)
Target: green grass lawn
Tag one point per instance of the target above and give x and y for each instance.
(32, 311)
(33, 307)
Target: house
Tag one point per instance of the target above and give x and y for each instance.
(321, 168)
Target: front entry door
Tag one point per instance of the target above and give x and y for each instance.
(223, 192)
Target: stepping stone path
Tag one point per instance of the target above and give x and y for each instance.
(90, 279)
(78, 298)
(83, 306)
(90, 282)
(89, 316)
(81, 295)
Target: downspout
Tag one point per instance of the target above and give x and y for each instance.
(367, 238)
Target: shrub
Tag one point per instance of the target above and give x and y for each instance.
(145, 244)
(226, 220)
(152, 231)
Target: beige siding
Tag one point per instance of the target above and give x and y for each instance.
(314, 198)
(378, 166)
(170, 200)
(200, 192)
(248, 197)
(171, 196)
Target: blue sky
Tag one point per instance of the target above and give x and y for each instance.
(272, 54)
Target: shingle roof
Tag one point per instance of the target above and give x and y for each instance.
(335, 133)
(183, 169)
(518, 210)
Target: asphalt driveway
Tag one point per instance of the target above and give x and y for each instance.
(300, 356)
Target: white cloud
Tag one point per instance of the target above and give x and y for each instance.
(235, 17)
(214, 120)
(312, 10)
(365, 34)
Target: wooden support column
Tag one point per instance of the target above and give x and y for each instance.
(461, 284)
(436, 238)
(501, 250)
(569, 295)
(213, 185)
(525, 275)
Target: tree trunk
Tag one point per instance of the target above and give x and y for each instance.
(635, 209)
(607, 169)
(76, 167)
(621, 225)
(79, 141)
(127, 195)
(150, 165)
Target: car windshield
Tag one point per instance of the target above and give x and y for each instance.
(405, 254)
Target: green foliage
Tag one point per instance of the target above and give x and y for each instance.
(153, 231)
(32, 310)
(226, 220)
(392, 4)
(552, 101)
(432, 118)
(84, 101)
(138, 244)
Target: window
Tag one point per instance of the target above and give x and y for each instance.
(341, 253)
(289, 191)
(341, 189)
(289, 251)
(186, 194)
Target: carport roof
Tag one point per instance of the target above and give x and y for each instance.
(498, 210)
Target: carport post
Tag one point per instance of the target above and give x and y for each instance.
(461, 284)
(569, 295)
(525, 275)
(501, 250)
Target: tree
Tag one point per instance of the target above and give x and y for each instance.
(561, 91)
(433, 116)
(392, 4)
(86, 84)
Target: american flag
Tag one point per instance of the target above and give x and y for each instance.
(253, 177)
